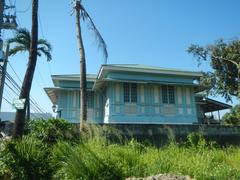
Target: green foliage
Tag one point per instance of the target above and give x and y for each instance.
(95, 157)
(196, 140)
(84, 161)
(22, 41)
(233, 117)
(224, 60)
(26, 158)
(52, 130)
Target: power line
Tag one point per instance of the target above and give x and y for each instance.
(41, 77)
(17, 90)
(40, 23)
(10, 2)
(11, 89)
(42, 32)
(25, 10)
(16, 85)
(7, 101)
(15, 72)
(7, 93)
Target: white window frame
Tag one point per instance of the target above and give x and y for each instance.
(130, 93)
(167, 97)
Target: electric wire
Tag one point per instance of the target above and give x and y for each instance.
(40, 23)
(7, 94)
(16, 90)
(19, 89)
(11, 84)
(42, 33)
(10, 2)
(14, 72)
(25, 10)
(7, 100)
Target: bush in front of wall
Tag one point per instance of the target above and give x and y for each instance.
(52, 130)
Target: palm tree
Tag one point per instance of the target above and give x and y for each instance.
(22, 40)
(81, 13)
(30, 43)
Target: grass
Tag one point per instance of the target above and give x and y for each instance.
(95, 157)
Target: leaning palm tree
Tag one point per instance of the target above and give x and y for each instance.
(25, 42)
(22, 40)
(81, 13)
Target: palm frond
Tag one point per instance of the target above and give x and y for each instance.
(45, 51)
(44, 42)
(21, 37)
(101, 43)
(17, 49)
(39, 54)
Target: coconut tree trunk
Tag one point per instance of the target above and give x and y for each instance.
(27, 82)
(83, 81)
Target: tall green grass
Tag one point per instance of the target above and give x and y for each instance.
(95, 156)
(26, 158)
(96, 159)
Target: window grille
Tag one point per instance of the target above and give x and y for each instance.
(164, 95)
(90, 99)
(168, 94)
(130, 92)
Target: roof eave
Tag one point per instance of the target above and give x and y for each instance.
(154, 71)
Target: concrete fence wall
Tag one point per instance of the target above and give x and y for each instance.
(160, 134)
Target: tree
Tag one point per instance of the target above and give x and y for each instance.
(26, 42)
(232, 117)
(224, 58)
(22, 40)
(81, 13)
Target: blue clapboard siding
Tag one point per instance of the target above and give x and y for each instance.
(109, 106)
(151, 110)
(68, 102)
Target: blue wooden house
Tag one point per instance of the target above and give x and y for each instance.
(134, 94)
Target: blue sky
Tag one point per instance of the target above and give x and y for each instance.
(150, 32)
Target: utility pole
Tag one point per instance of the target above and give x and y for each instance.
(6, 22)
(3, 74)
(2, 3)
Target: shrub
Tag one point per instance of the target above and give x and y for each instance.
(52, 130)
(196, 140)
(26, 158)
(233, 117)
